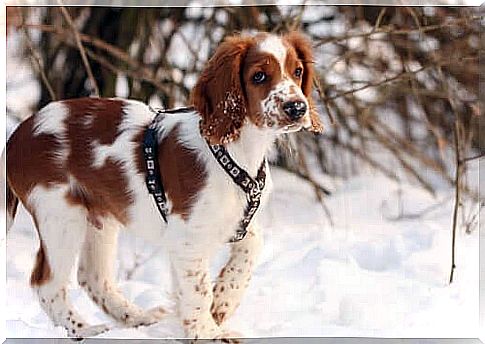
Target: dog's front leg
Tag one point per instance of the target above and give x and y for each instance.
(234, 277)
(195, 296)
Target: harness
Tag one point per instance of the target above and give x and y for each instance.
(252, 187)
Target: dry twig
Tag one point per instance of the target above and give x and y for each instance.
(37, 61)
(391, 31)
(80, 47)
(459, 166)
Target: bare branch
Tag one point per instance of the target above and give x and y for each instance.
(457, 196)
(418, 214)
(37, 62)
(479, 156)
(324, 100)
(391, 31)
(379, 18)
(80, 47)
(376, 84)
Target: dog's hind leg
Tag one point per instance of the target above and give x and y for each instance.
(96, 276)
(234, 277)
(61, 230)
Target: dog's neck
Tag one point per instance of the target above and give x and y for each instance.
(251, 147)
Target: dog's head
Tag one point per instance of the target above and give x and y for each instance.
(265, 78)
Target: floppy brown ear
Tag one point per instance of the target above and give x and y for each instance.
(303, 48)
(218, 94)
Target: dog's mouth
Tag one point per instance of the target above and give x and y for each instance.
(302, 123)
(291, 128)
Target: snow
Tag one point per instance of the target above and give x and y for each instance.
(368, 275)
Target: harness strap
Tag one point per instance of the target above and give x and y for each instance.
(252, 187)
(153, 180)
(150, 148)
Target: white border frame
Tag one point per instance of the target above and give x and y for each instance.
(209, 3)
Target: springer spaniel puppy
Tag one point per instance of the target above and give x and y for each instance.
(78, 167)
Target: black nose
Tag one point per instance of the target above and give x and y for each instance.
(295, 109)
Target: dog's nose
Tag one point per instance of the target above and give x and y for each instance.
(295, 109)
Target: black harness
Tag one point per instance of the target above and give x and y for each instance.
(252, 187)
(153, 180)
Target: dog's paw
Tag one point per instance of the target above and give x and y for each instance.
(219, 316)
(82, 332)
(231, 337)
(157, 312)
(222, 309)
(145, 318)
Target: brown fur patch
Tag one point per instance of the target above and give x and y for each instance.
(98, 117)
(219, 95)
(12, 202)
(31, 160)
(102, 190)
(183, 174)
(42, 271)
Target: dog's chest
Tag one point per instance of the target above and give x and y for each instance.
(222, 204)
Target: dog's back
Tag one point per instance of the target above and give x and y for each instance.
(63, 145)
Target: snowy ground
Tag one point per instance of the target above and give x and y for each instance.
(368, 275)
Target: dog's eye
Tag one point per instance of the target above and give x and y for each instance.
(259, 77)
(298, 72)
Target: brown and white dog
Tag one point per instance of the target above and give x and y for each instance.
(77, 166)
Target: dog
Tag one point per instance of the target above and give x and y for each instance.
(79, 168)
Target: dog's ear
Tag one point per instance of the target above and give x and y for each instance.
(219, 95)
(304, 51)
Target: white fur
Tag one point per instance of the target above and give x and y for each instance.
(274, 45)
(96, 276)
(230, 285)
(101, 153)
(252, 147)
(51, 119)
(283, 91)
(62, 228)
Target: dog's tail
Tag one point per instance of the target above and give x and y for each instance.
(11, 200)
(12, 204)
